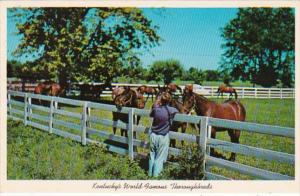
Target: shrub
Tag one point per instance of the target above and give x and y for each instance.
(190, 164)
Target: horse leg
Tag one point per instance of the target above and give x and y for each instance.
(183, 129)
(124, 131)
(213, 152)
(213, 135)
(234, 137)
(114, 119)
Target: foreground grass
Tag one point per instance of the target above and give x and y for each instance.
(33, 154)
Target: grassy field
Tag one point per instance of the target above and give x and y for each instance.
(273, 112)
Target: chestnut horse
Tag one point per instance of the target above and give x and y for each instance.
(226, 89)
(128, 98)
(230, 109)
(170, 88)
(49, 88)
(148, 90)
(118, 90)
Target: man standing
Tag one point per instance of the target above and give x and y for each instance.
(163, 115)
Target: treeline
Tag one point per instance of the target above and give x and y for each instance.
(159, 72)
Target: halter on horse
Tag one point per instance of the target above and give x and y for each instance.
(230, 109)
(128, 98)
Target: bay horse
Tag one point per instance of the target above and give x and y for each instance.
(170, 88)
(118, 90)
(230, 109)
(128, 98)
(49, 88)
(147, 90)
(226, 89)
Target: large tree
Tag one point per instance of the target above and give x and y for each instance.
(84, 44)
(165, 71)
(260, 46)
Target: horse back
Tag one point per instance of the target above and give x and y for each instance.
(231, 110)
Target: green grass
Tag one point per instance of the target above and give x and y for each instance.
(33, 154)
(265, 111)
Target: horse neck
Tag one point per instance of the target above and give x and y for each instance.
(202, 104)
(176, 104)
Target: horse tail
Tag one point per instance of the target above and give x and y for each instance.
(235, 94)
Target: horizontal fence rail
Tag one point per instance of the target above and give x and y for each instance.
(208, 91)
(21, 107)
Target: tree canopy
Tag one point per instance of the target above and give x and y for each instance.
(84, 44)
(260, 46)
(165, 71)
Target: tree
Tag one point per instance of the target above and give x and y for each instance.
(165, 71)
(260, 46)
(134, 73)
(212, 75)
(84, 44)
(12, 67)
(194, 74)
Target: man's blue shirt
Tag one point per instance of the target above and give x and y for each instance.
(162, 118)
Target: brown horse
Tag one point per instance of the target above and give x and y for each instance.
(118, 90)
(230, 109)
(128, 98)
(226, 89)
(147, 90)
(49, 88)
(171, 88)
(91, 90)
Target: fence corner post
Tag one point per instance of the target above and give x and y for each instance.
(25, 108)
(203, 138)
(83, 123)
(130, 133)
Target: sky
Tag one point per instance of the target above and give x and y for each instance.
(190, 35)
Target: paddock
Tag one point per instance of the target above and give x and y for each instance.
(86, 127)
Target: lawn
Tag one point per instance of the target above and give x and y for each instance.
(266, 111)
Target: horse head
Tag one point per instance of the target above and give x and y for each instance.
(129, 98)
(188, 98)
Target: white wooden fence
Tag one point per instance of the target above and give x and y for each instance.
(27, 112)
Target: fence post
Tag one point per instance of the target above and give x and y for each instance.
(294, 93)
(203, 138)
(88, 124)
(83, 124)
(51, 115)
(243, 92)
(9, 104)
(130, 133)
(280, 93)
(269, 93)
(255, 93)
(212, 92)
(29, 109)
(25, 109)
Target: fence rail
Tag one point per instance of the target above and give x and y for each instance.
(21, 107)
(209, 91)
